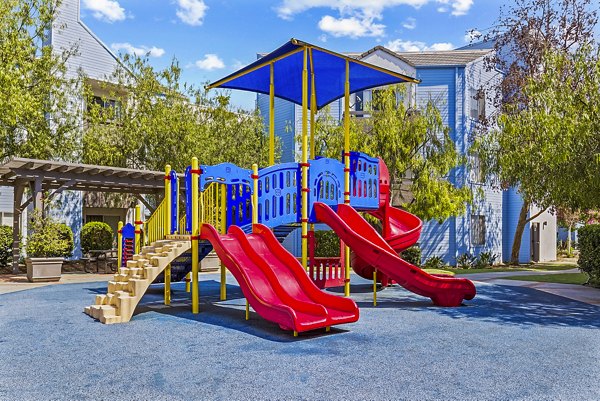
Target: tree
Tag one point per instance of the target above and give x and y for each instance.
(525, 151)
(148, 119)
(416, 147)
(568, 218)
(37, 116)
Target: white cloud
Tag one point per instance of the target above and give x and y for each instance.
(210, 62)
(400, 45)
(138, 51)
(191, 12)
(352, 27)
(459, 7)
(105, 10)
(472, 35)
(409, 23)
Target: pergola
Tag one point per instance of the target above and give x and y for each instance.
(50, 178)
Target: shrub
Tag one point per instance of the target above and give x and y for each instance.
(6, 244)
(327, 244)
(412, 255)
(465, 261)
(48, 238)
(589, 252)
(96, 235)
(434, 262)
(485, 260)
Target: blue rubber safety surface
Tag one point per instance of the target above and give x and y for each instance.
(509, 343)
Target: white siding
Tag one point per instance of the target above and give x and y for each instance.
(94, 58)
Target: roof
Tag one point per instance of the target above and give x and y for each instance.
(328, 69)
(385, 50)
(445, 57)
(83, 177)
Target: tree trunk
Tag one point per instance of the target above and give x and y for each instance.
(516, 247)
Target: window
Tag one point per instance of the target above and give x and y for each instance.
(477, 104)
(107, 104)
(6, 218)
(359, 102)
(476, 171)
(94, 217)
(477, 229)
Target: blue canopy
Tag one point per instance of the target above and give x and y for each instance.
(328, 68)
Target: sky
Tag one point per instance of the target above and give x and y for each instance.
(212, 38)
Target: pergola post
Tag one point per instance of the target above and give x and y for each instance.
(19, 189)
(304, 163)
(272, 115)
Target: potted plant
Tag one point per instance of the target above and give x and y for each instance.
(48, 243)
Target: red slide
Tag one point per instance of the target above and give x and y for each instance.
(274, 282)
(369, 246)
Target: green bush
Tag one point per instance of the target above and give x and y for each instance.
(589, 252)
(412, 255)
(6, 244)
(96, 235)
(465, 261)
(434, 262)
(48, 238)
(485, 260)
(327, 244)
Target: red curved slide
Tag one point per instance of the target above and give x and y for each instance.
(368, 245)
(277, 289)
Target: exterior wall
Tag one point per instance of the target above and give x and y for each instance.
(512, 205)
(548, 230)
(94, 58)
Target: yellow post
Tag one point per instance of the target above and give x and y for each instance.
(304, 163)
(167, 292)
(167, 231)
(138, 229)
(195, 236)
(167, 218)
(255, 193)
(272, 116)
(188, 279)
(223, 200)
(120, 244)
(375, 287)
(313, 108)
(347, 170)
(247, 310)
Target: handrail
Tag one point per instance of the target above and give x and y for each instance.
(156, 223)
(181, 229)
(212, 206)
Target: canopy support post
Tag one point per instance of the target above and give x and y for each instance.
(304, 163)
(272, 115)
(347, 171)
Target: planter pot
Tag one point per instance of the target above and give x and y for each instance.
(43, 269)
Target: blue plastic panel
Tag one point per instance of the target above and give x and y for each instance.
(326, 183)
(364, 181)
(224, 173)
(239, 190)
(279, 198)
(174, 201)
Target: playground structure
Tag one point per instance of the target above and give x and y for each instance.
(244, 214)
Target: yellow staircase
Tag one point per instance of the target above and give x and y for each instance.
(130, 283)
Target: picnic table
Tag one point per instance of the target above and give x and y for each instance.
(105, 257)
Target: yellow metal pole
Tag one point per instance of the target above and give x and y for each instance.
(195, 236)
(138, 229)
(347, 170)
(255, 193)
(313, 108)
(247, 310)
(375, 287)
(167, 230)
(120, 244)
(272, 116)
(223, 200)
(304, 163)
